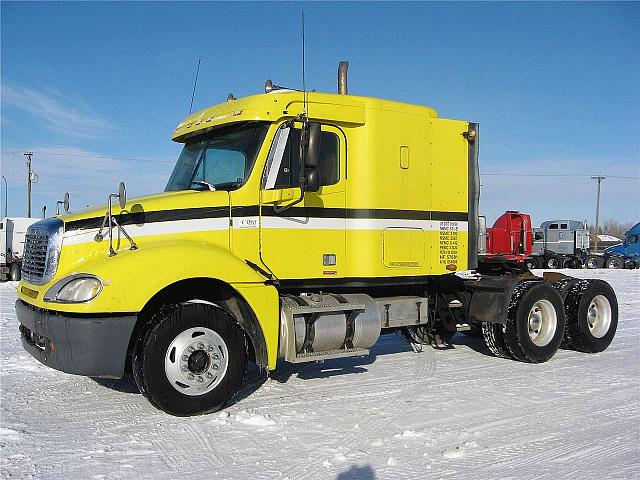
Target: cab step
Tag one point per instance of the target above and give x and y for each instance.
(328, 355)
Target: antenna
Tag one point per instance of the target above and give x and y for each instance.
(194, 86)
(304, 83)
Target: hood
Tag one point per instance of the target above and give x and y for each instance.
(163, 207)
(615, 249)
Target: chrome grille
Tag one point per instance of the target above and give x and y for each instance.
(34, 259)
(41, 251)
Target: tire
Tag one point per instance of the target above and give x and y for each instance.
(439, 337)
(591, 309)
(594, 261)
(535, 322)
(161, 371)
(614, 262)
(553, 262)
(574, 263)
(14, 272)
(494, 338)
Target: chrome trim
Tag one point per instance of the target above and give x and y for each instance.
(42, 246)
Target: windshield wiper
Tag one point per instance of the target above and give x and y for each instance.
(211, 188)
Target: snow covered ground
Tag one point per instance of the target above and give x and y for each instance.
(459, 413)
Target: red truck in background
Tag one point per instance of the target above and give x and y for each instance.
(510, 237)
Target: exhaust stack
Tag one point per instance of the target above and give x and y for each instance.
(342, 78)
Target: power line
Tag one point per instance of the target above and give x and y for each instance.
(72, 155)
(553, 175)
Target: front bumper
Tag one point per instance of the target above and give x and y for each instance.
(90, 346)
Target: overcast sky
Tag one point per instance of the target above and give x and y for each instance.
(96, 89)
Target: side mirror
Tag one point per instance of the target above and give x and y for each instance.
(66, 202)
(122, 195)
(312, 180)
(312, 156)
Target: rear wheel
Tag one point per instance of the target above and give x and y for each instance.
(535, 323)
(594, 261)
(438, 336)
(553, 262)
(494, 338)
(614, 262)
(592, 316)
(191, 359)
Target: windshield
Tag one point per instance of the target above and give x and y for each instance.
(222, 158)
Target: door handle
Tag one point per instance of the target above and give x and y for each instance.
(277, 196)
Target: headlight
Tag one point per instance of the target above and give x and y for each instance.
(74, 289)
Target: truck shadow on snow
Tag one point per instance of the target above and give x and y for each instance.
(255, 377)
(474, 343)
(388, 344)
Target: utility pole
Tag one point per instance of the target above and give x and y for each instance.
(5, 195)
(28, 155)
(599, 179)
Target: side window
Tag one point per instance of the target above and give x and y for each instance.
(633, 239)
(553, 226)
(328, 166)
(538, 236)
(564, 226)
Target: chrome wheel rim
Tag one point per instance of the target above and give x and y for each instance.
(542, 322)
(552, 263)
(196, 361)
(615, 263)
(599, 316)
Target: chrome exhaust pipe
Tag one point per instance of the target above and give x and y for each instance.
(342, 78)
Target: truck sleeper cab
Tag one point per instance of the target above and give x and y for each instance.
(298, 231)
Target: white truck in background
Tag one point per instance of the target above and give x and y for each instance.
(12, 233)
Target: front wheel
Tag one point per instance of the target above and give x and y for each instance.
(191, 359)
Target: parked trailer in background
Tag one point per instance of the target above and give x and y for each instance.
(559, 244)
(12, 233)
(623, 255)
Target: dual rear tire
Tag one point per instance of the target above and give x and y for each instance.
(535, 325)
(538, 322)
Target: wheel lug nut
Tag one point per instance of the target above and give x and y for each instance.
(185, 368)
(209, 348)
(190, 376)
(214, 366)
(209, 375)
(200, 379)
(185, 358)
(201, 346)
(190, 349)
(216, 356)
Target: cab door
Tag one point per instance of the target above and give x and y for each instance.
(305, 240)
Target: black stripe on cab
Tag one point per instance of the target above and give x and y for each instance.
(141, 217)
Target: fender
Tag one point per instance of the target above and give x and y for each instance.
(129, 282)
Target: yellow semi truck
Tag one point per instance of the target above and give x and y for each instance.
(301, 226)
